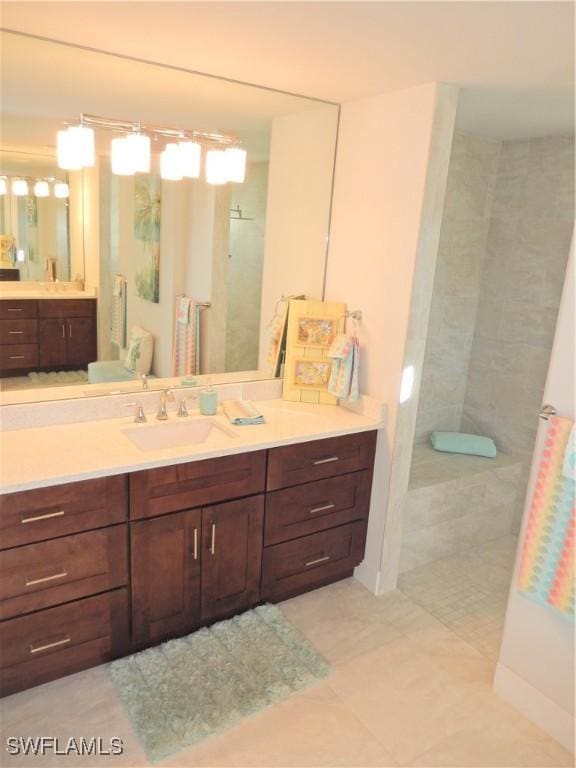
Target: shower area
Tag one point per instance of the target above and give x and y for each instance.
(504, 245)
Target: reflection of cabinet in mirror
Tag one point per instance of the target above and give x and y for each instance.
(49, 334)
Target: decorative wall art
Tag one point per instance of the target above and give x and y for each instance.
(312, 327)
(147, 203)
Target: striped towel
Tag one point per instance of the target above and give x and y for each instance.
(184, 348)
(118, 331)
(547, 565)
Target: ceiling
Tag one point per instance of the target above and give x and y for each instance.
(514, 60)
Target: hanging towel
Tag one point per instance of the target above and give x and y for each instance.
(547, 565)
(184, 347)
(569, 463)
(118, 331)
(345, 355)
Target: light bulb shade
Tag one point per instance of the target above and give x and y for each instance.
(216, 170)
(171, 163)
(3, 187)
(75, 148)
(235, 164)
(138, 146)
(61, 189)
(122, 159)
(41, 189)
(190, 152)
(19, 187)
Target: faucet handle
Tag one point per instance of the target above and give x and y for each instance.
(139, 416)
(144, 380)
(182, 407)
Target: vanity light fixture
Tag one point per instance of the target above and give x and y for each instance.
(122, 156)
(131, 151)
(190, 154)
(41, 189)
(216, 167)
(3, 186)
(171, 163)
(61, 190)
(75, 148)
(235, 164)
(137, 146)
(19, 187)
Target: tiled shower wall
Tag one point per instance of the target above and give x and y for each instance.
(523, 273)
(465, 225)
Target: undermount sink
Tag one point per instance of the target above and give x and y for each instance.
(174, 434)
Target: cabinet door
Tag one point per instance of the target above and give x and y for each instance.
(52, 342)
(80, 341)
(232, 537)
(165, 566)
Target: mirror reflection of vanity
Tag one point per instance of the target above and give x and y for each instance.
(232, 240)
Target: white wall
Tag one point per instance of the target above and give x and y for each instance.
(298, 208)
(379, 222)
(535, 671)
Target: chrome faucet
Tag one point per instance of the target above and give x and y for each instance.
(166, 396)
(139, 415)
(144, 379)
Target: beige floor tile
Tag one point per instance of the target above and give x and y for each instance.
(411, 699)
(82, 705)
(498, 738)
(311, 728)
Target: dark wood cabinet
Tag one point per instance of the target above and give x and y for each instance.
(231, 557)
(81, 582)
(165, 566)
(46, 334)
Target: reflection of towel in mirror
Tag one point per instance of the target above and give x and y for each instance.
(184, 348)
(118, 330)
(345, 355)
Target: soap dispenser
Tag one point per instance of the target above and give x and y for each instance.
(208, 400)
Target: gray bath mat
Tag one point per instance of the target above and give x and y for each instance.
(187, 689)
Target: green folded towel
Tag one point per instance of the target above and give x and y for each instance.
(456, 442)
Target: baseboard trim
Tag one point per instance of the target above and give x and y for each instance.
(537, 707)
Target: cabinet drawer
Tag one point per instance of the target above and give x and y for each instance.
(316, 506)
(61, 308)
(59, 641)
(15, 356)
(297, 566)
(304, 462)
(44, 513)
(18, 331)
(195, 484)
(51, 572)
(12, 309)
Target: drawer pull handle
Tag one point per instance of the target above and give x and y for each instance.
(46, 578)
(213, 539)
(326, 461)
(318, 560)
(43, 517)
(63, 331)
(16, 357)
(70, 330)
(39, 648)
(321, 509)
(15, 332)
(195, 545)
(15, 310)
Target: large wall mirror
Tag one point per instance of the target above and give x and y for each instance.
(132, 240)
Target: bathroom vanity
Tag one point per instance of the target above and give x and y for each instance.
(46, 334)
(96, 569)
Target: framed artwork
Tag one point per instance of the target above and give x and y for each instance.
(147, 237)
(312, 327)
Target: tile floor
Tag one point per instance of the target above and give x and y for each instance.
(406, 688)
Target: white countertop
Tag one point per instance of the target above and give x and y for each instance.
(33, 294)
(40, 457)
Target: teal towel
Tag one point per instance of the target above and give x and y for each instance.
(456, 442)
